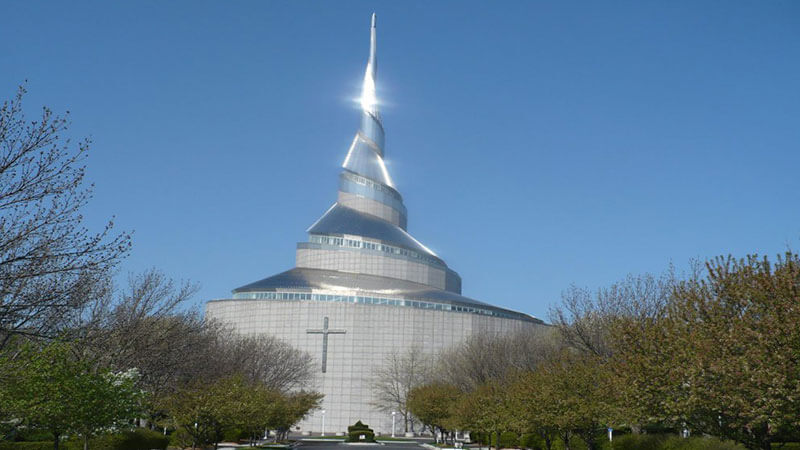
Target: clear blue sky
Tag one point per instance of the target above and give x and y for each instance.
(536, 144)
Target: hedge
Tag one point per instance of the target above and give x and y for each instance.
(139, 439)
(33, 445)
(671, 442)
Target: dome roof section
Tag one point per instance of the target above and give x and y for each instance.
(340, 220)
(307, 279)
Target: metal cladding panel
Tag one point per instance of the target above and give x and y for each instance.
(373, 191)
(341, 220)
(366, 161)
(349, 183)
(370, 262)
(372, 129)
(452, 281)
(370, 206)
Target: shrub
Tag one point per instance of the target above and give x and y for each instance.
(670, 442)
(509, 439)
(639, 442)
(142, 438)
(234, 435)
(137, 439)
(32, 434)
(479, 437)
(699, 443)
(41, 445)
(357, 430)
(180, 438)
(36, 445)
(532, 441)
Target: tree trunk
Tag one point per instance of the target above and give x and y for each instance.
(548, 443)
(565, 437)
(56, 437)
(86, 441)
(766, 439)
(588, 438)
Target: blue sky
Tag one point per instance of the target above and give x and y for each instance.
(536, 144)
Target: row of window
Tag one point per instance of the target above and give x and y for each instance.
(355, 243)
(369, 183)
(366, 300)
(349, 183)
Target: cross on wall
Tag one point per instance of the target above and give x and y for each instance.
(325, 331)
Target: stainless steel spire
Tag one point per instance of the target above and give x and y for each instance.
(369, 99)
(365, 156)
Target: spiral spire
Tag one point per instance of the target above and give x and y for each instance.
(365, 156)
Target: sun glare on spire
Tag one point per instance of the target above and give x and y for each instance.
(369, 100)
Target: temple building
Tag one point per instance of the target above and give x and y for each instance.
(362, 286)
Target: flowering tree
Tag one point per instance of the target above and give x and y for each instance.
(49, 388)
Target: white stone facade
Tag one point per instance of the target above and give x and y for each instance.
(372, 331)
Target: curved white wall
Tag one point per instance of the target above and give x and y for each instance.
(371, 332)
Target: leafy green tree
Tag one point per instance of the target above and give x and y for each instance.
(724, 358)
(575, 394)
(741, 323)
(260, 410)
(487, 408)
(104, 400)
(434, 405)
(49, 388)
(268, 409)
(205, 410)
(652, 361)
(293, 408)
(527, 398)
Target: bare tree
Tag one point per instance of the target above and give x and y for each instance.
(48, 260)
(487, 357)
(584, 317)
(145, 326)
(261, 358)
(396, 377)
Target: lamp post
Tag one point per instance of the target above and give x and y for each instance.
(323, 422)
(394, 413)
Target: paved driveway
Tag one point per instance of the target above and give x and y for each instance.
(319, 445)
